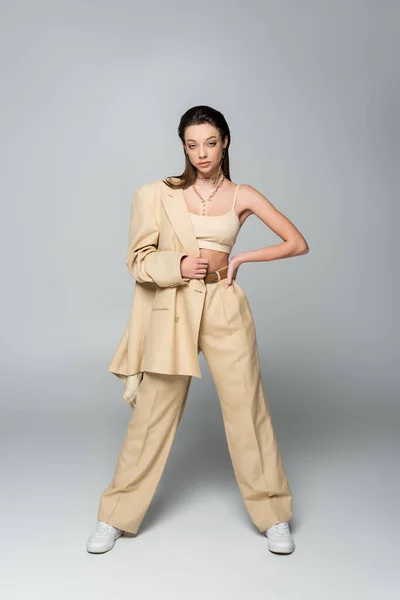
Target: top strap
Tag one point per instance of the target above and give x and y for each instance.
(235, 196)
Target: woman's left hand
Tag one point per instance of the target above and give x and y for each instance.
(233, 266)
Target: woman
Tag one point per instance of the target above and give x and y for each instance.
(186, 300)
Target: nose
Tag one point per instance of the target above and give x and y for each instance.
(202, 154)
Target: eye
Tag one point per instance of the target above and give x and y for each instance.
(213, 143)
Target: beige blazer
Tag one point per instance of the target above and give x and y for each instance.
(162, 331)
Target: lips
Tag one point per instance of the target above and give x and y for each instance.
(204, 164)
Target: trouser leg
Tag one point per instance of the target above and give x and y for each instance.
(228, 342)
(151, 429)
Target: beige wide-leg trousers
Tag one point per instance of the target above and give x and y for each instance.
(227, 339)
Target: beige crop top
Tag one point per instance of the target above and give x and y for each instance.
(217, 232)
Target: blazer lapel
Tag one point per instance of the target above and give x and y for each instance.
(178, 214)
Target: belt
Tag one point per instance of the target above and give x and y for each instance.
(215, 276)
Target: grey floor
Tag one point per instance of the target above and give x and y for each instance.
(92, 96)
(196, 540)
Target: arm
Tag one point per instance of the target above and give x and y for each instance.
(144, 261)
(293, 243)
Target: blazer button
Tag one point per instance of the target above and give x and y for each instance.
(176, 319)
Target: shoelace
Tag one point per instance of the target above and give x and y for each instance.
(103, 527)
(280, 528)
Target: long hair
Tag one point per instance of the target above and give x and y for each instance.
(196, 116)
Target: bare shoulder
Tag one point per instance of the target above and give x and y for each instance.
(251, 202)
(251, 198)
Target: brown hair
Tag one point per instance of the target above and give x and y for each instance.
(196, 116)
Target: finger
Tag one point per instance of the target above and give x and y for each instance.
(228, 282)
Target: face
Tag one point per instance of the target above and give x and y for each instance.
(203, 144)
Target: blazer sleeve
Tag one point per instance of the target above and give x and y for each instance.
(144, 261)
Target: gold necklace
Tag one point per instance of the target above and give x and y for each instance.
(204, 200)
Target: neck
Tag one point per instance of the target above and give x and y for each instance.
(214, 179)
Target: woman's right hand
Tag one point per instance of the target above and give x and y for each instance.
(194, 266)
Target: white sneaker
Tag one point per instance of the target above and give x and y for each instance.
(279, 538)
(103, 537)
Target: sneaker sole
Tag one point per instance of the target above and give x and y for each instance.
(281, 549)
(98, 551)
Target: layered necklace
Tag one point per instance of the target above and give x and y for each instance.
(205, 200)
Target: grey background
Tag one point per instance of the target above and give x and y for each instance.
(92, 93)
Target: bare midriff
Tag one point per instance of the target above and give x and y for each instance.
(216, 259)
